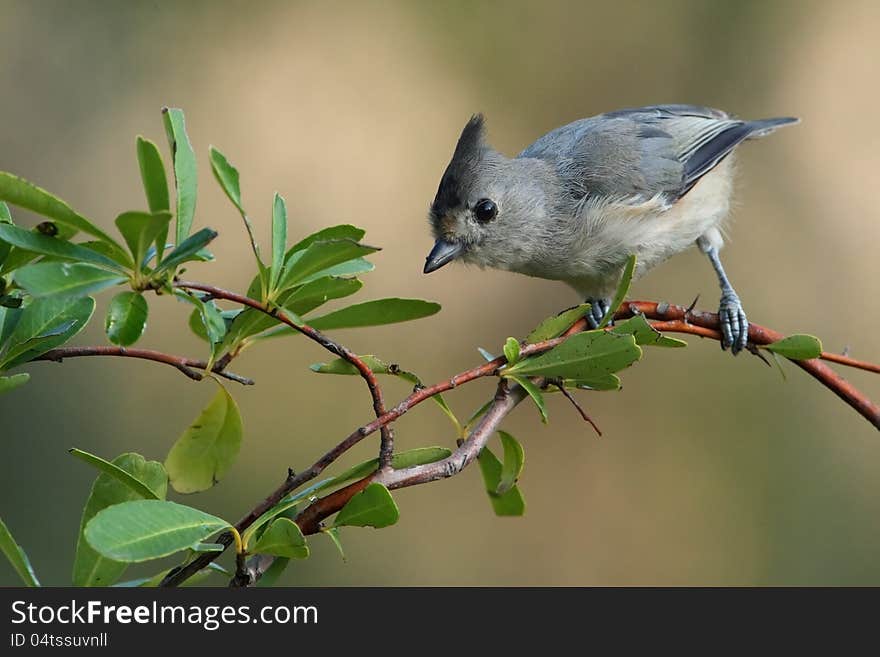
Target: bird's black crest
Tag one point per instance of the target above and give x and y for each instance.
(471, 145)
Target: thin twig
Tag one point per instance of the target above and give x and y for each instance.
(580, 409)
(186, 365)
(386, 448)
(666, 318)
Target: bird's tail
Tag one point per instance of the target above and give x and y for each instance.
(764, 127)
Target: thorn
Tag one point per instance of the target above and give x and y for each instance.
(753, 349)
(691, 307)
(845, 351)
(579, 408)
(290, 473)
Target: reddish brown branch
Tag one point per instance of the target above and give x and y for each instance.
(386, 448)
(666, 317)
(186, 365)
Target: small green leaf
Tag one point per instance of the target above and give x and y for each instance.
(535, 393)
(342, 366)
(283, 538)
(65, 278)
(598, 381)
(477, 414)
(213, 325)
(554, 326)
(8, 383)
(307, 297)
(5, 218)
(510, 503)
(318, 257)
(279, 237)
(208, 448)
(125, 477)
(376, 313)
(185, 178)
(26, 195)
(399, 461)
(142, 530)
(372, 507)
(141, 229)
(645, 334)
(582, 356)
(48, 322)
(514, 459)
(511, 351)
(188, 250)
(129, 477)
(126, 318)
(331, 233)
(227, 175)
(17, 556)
(57, 248)
(333, 534)
(797, 347)
(622, 290)
(154, 179)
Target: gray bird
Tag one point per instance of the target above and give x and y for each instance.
(578, 202)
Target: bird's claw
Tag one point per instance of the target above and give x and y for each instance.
(734, 325)
(598, 309)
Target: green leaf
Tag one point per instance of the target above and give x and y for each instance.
(511, 503)
(283, 538)
(126, 318)
(333, 534)
(152, 471)
(196, 580)
(5, 218)
(514, 459)
(318, 257)
(65, 278)
(26, 195)
(129, 477)
(599, 381)
(48, 322)
(535, 393)
(298, 301)
(142, 530)
(797, 347)
(582, 356)
(227, 175)
(8, 383)
(340, 232)
(213, 326)
(188, 250)
(207, 449)
(17, 556)
(376, 313)
(342, 366)
(350, 268)
(279, 237)
(554, 326)
(57, 248)
(185, 178)
(511, 351)
(306, 298)
(153, 176)
(645, 334)
(141, 229)
(622, 289)
(155, 186)
(372, 507)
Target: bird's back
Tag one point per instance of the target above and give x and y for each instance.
(643, 152)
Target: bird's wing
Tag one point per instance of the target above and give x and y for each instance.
(644, 152)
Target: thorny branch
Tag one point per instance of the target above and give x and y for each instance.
(665, 317)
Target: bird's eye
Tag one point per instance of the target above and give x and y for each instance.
(485, 210)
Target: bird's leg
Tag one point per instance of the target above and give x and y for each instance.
(598, 308)
(734, 325)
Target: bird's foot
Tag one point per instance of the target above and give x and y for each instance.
(734, 325)
(598, 308)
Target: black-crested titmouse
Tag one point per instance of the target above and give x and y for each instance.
(578, 202)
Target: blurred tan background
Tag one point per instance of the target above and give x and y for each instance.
(713, 470)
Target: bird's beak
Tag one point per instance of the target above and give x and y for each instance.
(442, 253)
